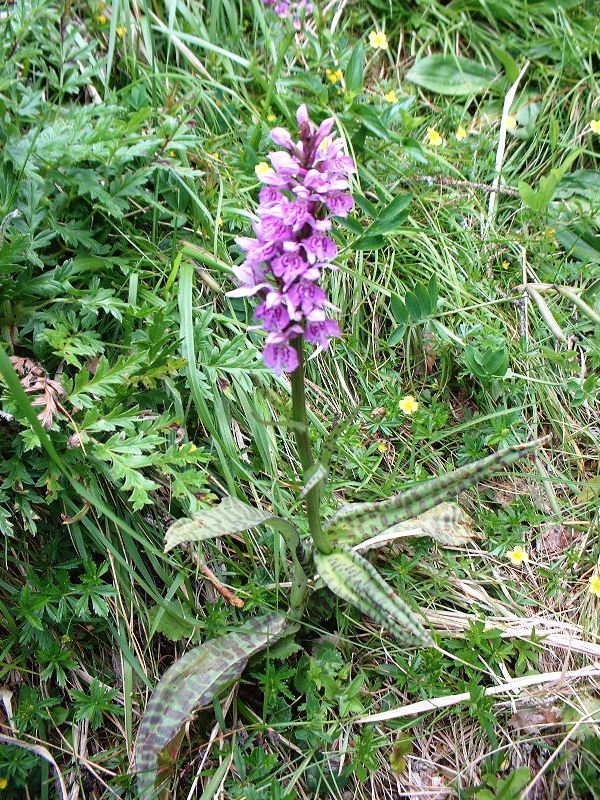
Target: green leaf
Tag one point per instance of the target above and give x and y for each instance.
(355, 69)
(511, 67)
(230, 516)
(393, 215)
(369, 242)
(451, 75)
(192, 682)
(414, 307)
(353, 579)
(367, 519)
(371, 120)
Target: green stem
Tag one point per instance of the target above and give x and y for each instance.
(305, 450)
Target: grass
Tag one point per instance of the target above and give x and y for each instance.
(128, 149)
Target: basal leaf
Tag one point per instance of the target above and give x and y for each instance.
(350, 577)
(446, 523)
(192, 682)
(230, 516)
(451, 75)
(367, 519)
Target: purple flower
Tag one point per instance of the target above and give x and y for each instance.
(306, 184)
(319, 247)
(298, 9)
(319, 331)
(339, 203)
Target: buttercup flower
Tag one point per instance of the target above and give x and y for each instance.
(433, 137)
(334, 75)
(121, 31)
(461, 133)
(595, 125)
(511, 122)
(378, 40)
(101, 19)
(391, 97)
(306, 184)
(299, 10)
(518, 555)
(594, 585)
(408, 405)
(3, 783)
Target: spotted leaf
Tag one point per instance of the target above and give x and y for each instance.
(230, 516)
(192, 682)
(350, 577)
(360, 521)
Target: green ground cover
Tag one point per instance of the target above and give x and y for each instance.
(129, 136)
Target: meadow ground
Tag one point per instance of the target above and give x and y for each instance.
(129, 136)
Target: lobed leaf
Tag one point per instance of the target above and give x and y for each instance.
(192, 682)
(350, 577)
(363, 520)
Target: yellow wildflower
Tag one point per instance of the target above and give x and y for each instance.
(594, 585)
(511, 122)
(382, 447)
(434, 137)
(263, 169)
(101, 19)
(172, 153)
(378, 39)
(504, 264)
(391, 97)
(461, 133)
(595, 125)
(271, 117)
(121, 31)
(334, 75)
(409, 405)
(518, 555)
(3, 783)
(550, 233)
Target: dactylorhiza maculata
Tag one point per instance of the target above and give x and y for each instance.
(299, 10)
(305, 186)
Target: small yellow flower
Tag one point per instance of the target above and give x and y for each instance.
(461, 133)
(219, 220)
(172, 153)
(434, 137)
(121, 31)
(378, 39)
(334, 75)
(271, 117)
(550, 233)
(409, 405)
(3, 783)
(382, 447)
(595, 125)
(504, 264)
(263, 169)
(518, 555)
(511, 122)
(391, 97)
(101, 19)
(594, 585)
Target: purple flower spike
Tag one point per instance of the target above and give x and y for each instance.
(304, 188)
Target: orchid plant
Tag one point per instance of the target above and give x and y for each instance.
(305, 187)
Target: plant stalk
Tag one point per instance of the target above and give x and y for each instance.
(305, 450)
